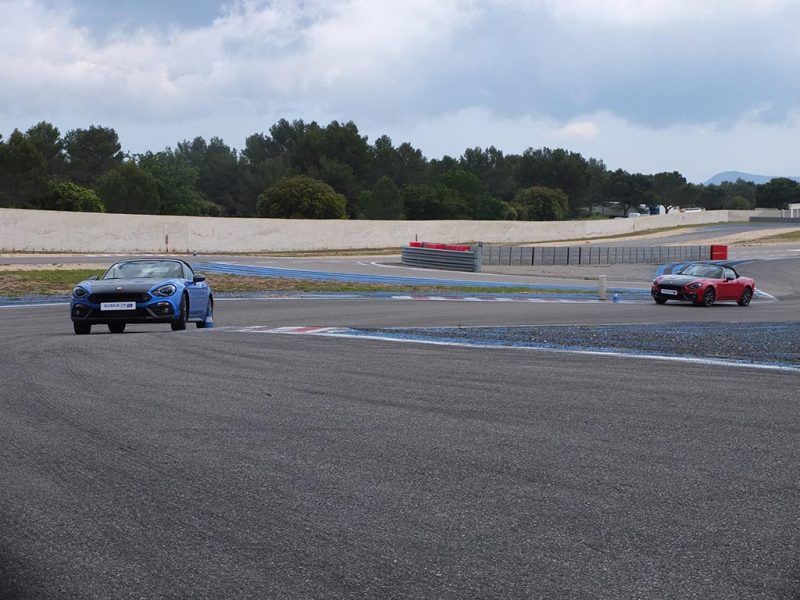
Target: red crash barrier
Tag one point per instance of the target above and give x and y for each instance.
(719, 253)
(439, 246)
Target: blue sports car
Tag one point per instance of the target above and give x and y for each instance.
(142, 291)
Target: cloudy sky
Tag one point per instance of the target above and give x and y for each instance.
(697, 86)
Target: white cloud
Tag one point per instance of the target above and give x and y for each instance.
(579, 130)
(659, 12)
(509, 73)
(261, 48)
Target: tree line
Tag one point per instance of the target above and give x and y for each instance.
(304, 170)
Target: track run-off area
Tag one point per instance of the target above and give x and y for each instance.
(400, 446)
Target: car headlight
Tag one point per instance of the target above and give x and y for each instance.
(165, 290)
(695, 285)
(79, 292)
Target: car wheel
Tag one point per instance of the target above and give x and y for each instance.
(81, 328)
(708, 297)
(116, 327)
(660, 300)
(209, 315)
(180, 323)
(747, 295)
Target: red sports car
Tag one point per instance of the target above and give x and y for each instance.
(704, 284)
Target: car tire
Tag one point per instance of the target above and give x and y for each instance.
(708, 297)
(82, 328)
(747, 295)
(660, 300)
(180, 323)
(209, 314)
(116, 327)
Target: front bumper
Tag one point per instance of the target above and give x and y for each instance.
(160, 311)
(681, 295)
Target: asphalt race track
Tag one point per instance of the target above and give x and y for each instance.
(239, 462)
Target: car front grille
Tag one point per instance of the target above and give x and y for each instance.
(139, 313)
(97, 298)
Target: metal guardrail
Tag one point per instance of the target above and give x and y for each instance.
(591, 255)
(448, 260)
(775, 219)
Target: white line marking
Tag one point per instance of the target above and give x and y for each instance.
(696, 360)
(36, 305)
(340, 332)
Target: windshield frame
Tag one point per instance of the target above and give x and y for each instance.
(705, 271)
(178, 270)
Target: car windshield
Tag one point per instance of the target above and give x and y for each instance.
(154, 269)
(710, 271)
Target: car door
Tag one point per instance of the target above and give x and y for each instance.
(729, 288)
(198, 295)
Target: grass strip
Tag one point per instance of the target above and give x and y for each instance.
(54, 282)
(789, 236)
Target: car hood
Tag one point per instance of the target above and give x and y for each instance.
(677, 279)
(138, 285)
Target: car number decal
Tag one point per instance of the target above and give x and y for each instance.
(118, 306)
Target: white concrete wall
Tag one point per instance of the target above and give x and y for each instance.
(54, 231)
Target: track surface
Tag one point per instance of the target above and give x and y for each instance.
(223, 464)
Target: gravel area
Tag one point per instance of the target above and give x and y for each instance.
(761, 343)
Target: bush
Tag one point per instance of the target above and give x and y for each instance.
(541, 204)
(72, 197)
(301, 197)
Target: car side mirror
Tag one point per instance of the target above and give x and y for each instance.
(729, 278)
(93, 278)
(198, 278)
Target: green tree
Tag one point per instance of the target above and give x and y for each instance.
(340, 177)
(478, 202)
(218, 174)
(410, 166)
(778, 192)
(432, 202)
(129, 189)
(382, 202)
(538, 203)
(494, 170)
(69, 196)
(741, 188)
(667, 187)
(262, 163)
(284, 138)
(176, 181)
(47, 140)
(690, 195)
(628, 189)
(23, 172)
(90, 153)
(556, 169)
(592, 194)
(712, 197)
(739, 203)
(301, 197)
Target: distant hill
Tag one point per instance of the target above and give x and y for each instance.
(732, 176)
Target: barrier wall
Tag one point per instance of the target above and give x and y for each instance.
(448, 258)
(596, 255)
(53, 231)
